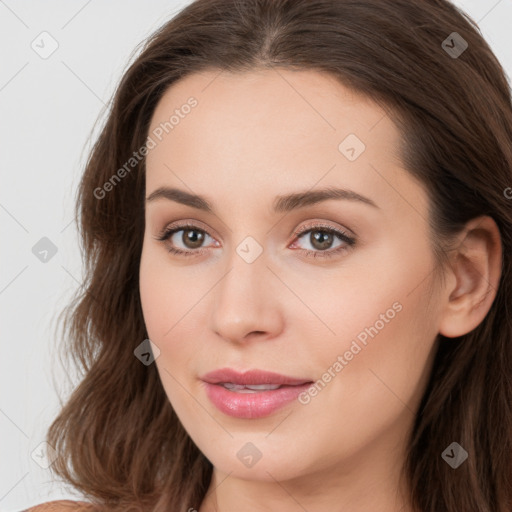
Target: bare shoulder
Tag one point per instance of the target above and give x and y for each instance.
(63, 506)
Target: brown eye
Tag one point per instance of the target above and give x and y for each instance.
(321, 240)
(189, 243)
(192, 238)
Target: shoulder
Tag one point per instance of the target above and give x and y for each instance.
(63, 506)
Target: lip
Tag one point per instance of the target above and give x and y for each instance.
(250, 377)
(252, 405)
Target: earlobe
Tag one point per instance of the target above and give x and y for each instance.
(476, 266)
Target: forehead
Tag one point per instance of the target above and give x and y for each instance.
(274, 131)
(289, 108)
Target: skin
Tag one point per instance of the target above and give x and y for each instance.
(251, 137)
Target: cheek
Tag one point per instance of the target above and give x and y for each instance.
(384, 337)
(378, 294)
(161, 294)
(169, 302)
(153, 294)
(166, 292)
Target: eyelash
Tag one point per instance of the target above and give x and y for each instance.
(350, 241)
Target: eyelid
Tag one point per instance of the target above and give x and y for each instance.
(322, 224)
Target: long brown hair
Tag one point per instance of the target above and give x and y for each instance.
(119, 440)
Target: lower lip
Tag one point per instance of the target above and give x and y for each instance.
(252, 405)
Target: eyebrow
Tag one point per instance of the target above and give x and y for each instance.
(284, 203)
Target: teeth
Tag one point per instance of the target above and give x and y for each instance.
(250, 388)
(261, 387)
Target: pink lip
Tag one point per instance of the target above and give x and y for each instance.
(250, 377)
(251, 405)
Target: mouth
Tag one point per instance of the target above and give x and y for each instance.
(251, 378)
(254, 388)
(251, 394)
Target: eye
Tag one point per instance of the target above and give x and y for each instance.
(192, 238)
(321, 237)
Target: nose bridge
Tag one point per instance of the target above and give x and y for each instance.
(244, 301)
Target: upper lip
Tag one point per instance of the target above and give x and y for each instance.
(251, 377)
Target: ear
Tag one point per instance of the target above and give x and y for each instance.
(476, 272)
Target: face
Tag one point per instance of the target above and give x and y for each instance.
(329, 293)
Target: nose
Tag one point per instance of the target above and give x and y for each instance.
(247, 302)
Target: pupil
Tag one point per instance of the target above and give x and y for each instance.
(195, 240)
(321, 239)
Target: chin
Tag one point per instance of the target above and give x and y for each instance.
(254, 457)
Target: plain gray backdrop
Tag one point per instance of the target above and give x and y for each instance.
(60, 63)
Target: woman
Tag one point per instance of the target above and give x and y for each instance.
(297, 225)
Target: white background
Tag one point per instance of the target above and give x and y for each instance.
(48, 110)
